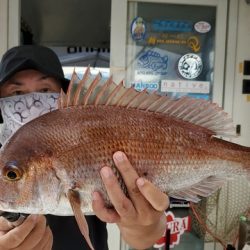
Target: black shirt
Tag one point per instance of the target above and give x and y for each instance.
(67, 236)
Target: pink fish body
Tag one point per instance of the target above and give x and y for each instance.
(170, 142)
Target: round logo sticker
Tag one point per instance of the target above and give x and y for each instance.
(190, 66)
(202, 27)
(138, 29)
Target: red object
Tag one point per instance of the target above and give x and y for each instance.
(177, 227)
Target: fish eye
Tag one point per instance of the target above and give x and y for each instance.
(11, 172)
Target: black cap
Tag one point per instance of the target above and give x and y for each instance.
(36, 57)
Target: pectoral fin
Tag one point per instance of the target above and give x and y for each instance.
(202, 189)
(75, 202)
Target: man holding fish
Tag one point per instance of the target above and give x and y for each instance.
(29, 73)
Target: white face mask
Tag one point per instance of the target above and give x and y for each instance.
(20, 109)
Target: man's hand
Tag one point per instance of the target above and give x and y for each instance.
(140, 217)
(32, 234)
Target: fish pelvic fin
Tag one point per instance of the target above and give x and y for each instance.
(203, 188)
(97, 91)
(75, 202)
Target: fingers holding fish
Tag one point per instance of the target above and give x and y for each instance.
(141, 208)
(108, 215)
(5, 225)
(129, 176)
(16, 236)
(26, 236)
(142, 193)
(158, 200)
(142, 213)
(47, 240)
(121, 203)
(35, 237)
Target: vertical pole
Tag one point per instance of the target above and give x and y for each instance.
(167, 243)
(9, 24)
(3, 26)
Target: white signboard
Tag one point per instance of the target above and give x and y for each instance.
(184, 86)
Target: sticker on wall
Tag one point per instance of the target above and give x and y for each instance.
(184, 86)
(150, 86)
(193, 43)
(202, 27)
(190, 66)
(177, 227)
(152, 62)
(172, 25)
(138, 29)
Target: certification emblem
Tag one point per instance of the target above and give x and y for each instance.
(190, 66)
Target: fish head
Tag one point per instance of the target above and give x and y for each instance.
(28, 183)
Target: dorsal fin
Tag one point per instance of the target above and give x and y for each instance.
(69, 91)
(197, 111)
(101, 92)
(81, 84)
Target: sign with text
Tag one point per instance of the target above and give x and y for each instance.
(184, 86)
(177, 227)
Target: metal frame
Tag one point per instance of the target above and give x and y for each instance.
(9, 24)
